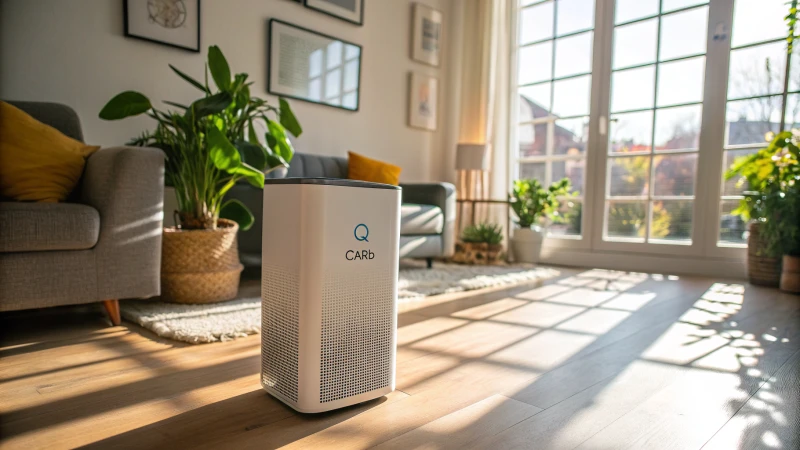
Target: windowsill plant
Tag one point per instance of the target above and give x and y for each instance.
(534, 206)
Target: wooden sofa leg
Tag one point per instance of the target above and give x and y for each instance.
(112, 309)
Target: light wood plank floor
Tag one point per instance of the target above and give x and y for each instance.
(592, 359)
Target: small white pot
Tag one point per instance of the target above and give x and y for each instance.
(527, 244)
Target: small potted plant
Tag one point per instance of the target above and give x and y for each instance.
(532, 204)
(480, 244)
(210, 145)
(771, 204)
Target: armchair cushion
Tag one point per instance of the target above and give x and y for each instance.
(35, 227)
(420, 219)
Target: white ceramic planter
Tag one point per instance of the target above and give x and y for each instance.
(527, 244)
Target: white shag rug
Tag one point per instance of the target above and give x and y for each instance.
(199, 324)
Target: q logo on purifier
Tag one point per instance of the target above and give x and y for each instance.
(363, 234)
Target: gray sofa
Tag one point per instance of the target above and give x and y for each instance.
(103, 244)
(428, 211)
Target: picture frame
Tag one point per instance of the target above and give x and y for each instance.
(306, 65)
(426, 34)
(174, 23)
(348, 10)
(423, 101)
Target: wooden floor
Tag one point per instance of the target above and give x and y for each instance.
(593, 359)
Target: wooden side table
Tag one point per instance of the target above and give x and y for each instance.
(473, 202)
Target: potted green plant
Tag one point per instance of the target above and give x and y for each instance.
(480, 244)
(771, 203)
(210, 145)
(532, 204)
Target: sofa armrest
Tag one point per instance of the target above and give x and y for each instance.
(442, 195)
(126, 186)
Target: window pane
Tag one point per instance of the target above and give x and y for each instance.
(792, 111)
(748, 121)
(671, 219)
(628, 176)
(794, 74)
(536, 23)
(572, 169)
(532, 170)
(635, 44)
(758, 20)
(574, 15)
(757, 70)
(732, 229)
(631, 132)
(535, 62)
(626, 220)
(678, 128)
(635, 9)
(571, 96)
(571, 136)
(674, 174)
(734, 186)
(534, 102)
(681, 81)
(632, 89)
(568, 222)
(532, 140)
(684, 33)
(672, 5)
(574, 55)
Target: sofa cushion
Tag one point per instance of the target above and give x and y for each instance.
(420, 219)
(33, 227)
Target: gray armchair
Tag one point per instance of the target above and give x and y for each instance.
(103, 244)
(428, 211)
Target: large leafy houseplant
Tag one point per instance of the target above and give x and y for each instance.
(212, 143)
(532, 201)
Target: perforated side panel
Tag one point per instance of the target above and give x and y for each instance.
(357, 331)
(279, 330)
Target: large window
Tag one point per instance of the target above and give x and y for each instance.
(760, 98)
(643, 104)
(554, 78)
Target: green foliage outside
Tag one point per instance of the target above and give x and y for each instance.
(212, 143)
(487, 233)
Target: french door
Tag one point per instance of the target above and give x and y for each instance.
(642, 104)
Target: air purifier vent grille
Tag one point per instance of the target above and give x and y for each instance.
(357, 335)
(279, 330)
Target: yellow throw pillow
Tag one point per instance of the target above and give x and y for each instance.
(360, 167)
(37, 162)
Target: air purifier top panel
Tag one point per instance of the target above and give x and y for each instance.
(331, 182)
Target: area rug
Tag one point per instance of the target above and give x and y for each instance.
(198, 324)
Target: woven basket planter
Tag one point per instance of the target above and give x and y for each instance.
(790, 276)
(200, 266)
(761, 270)
(477, 253)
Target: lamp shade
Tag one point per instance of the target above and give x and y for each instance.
(472, 157)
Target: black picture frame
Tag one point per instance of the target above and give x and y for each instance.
(128, 34)
(360, 21)
(294, 97)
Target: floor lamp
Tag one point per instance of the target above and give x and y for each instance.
(472, 163)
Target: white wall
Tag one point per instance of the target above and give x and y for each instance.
(74, 52)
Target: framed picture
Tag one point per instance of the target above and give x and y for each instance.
(423, 102)
(349, 10)
(314, 67)
(426, 35)
(175, 23)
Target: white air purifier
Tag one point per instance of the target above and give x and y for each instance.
(329, 291)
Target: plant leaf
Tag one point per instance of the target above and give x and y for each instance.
(288, 119)
(236, 211)
(226, 157)
(220, 71)
(125, 104)
(253, 154)
(189, 79)
(177, 105)
(283, 147)
(211, 105)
